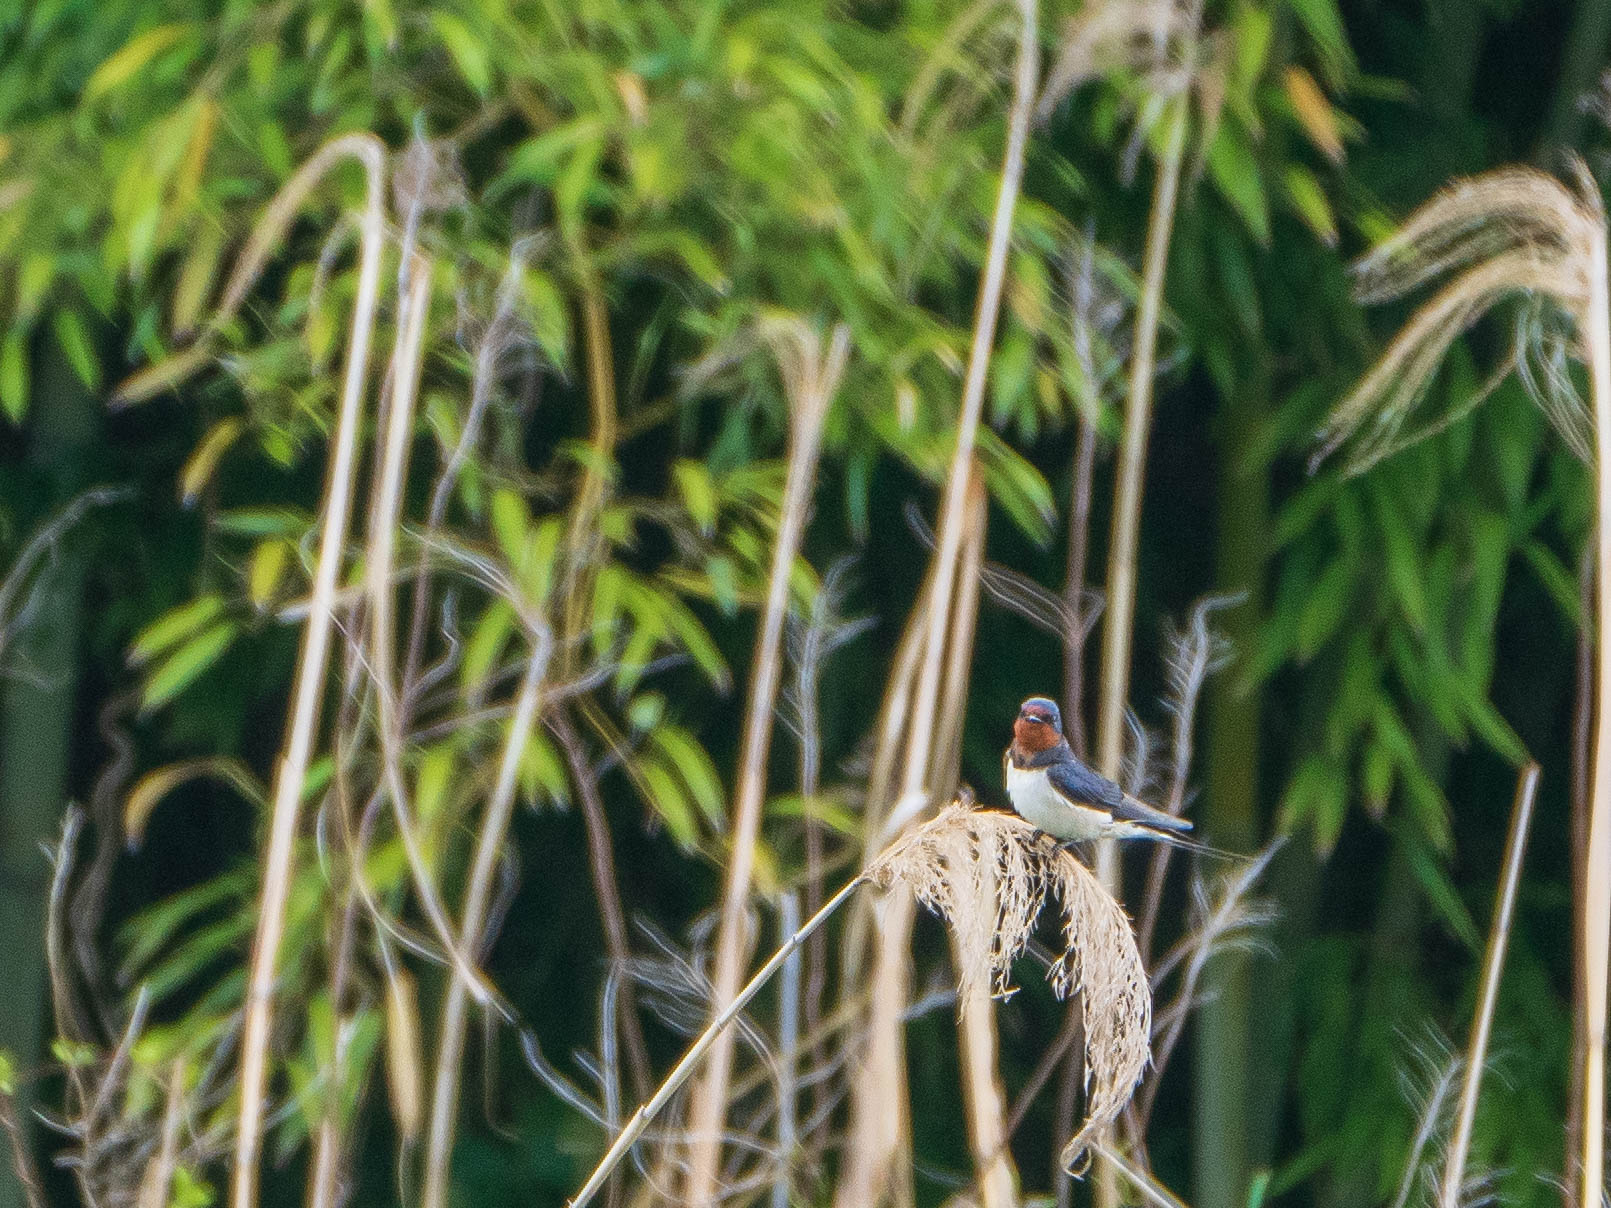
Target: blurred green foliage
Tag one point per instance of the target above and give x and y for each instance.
(683, 170)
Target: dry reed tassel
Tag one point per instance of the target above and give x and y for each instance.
(987, 873)
(1493, 965)
(878, 1091)
(311, 665)
(811, 376)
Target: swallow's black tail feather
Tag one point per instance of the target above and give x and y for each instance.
(1176, 840)
(1201, 849)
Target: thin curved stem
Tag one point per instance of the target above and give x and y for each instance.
(1493, 965)
(311, 666)
(645, 1115)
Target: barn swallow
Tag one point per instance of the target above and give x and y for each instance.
(1055, 792)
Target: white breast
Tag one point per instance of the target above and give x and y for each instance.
(1041, 806)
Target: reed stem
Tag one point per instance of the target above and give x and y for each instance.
(310, 675)
(1493, 965)
(1597, 886)
(645, 1115)
(810, 407)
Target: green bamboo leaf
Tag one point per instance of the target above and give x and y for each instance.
(14, 374)
(511, 521)
(1442, 894)
(1328, 601)
(149, 931)
(1317, 796)
(182, 667)
(537, 161)
(698, 493)
(693, 637)
(127, 62)
(431, 781)
(722, 576)
(172, 627)
(199, 469)
(190, 1190)
(1236, 175)
(265, 569)
(75, 344)
(542, 771)
(1311, 203)
(1557, 580)
(1323, 22)
(576, 180)
(1404, 562)
(263, 522)
(1018, 487)
(549, 316)
(667, 800)
(696, 769)
(1376, 775)
(484, 647)
(468, 50)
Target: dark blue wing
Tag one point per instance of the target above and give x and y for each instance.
(1083, 786)
(1131, 810)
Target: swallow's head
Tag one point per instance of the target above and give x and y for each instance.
(1039, 726)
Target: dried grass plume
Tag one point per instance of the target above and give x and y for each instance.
(988, 874)
(1509, 232)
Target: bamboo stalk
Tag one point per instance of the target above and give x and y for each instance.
(645, 1115)
(708, 1110)
(1493, 965)
(788, 1130)
(311, 665)
(583, 544)
(1119, 619)
(949, 535)
(379, 565)
(977, 1039)
(878, 1094)
(1079, 533)
(1582, 745)
(1597, 887)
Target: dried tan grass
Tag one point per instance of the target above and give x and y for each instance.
(1513, 231)
(1114, 35)
(988, 874)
